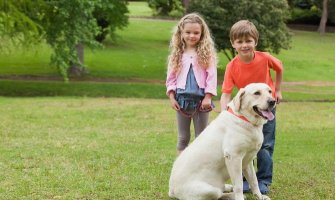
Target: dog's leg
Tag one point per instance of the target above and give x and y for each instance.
(250, 175)
(198, 190)
(228, 196)
(234, 166)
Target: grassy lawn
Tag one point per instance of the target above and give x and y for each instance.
(141, 52)
(83, 143)
(139, 9)
(115, 148)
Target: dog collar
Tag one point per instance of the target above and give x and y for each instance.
(239, 116)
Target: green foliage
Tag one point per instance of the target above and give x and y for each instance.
(309, 11)
(63, 24)
(66, 27)
(110, 15)
(269, 16)
(171, 8)
(305, 16)
(17, 24)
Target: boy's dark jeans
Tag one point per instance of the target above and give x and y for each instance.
(264, 156)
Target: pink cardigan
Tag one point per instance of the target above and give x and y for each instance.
(206, 78)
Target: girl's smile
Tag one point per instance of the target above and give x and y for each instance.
(191, 34)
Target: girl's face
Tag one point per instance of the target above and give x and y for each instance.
(245, 47)
(191, 34)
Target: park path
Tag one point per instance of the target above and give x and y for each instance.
(307, 87)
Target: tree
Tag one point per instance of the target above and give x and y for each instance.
(324, 17)
(66, 26)
(173, 8)
(16, 24)
(269, 16)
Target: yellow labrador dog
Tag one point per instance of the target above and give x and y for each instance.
(224, 150)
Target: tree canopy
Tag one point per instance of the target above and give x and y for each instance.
(269, 16)
(62, 24)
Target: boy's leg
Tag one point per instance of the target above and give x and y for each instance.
(200, 121)
(183, 131)
(264, 156)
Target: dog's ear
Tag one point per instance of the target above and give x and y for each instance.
(238, 99)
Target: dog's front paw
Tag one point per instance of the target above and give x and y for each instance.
(261, 197)
(264, 197)
(228, 188)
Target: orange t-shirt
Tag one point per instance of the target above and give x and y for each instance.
(240, 74)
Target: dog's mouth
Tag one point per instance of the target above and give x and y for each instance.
(266, 114)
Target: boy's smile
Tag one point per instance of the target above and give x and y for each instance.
(245, 48)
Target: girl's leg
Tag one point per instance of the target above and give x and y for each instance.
(183, 131)
(200, 121)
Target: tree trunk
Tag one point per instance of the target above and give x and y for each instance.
(75, 69)
(323, 21)
(185, 4)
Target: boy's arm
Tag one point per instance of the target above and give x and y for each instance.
(279, 78)
(225, 99)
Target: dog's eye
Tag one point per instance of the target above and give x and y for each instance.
(270, 91)
(257, 93)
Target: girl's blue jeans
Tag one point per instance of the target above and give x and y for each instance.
(264, 156)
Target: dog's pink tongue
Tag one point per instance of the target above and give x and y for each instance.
(268, 114)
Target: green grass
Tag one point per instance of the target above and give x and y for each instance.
(142, 48)
(139, 9)
(310, 58)
(88, 89)
(141, 53)
(129, 89)
(115, 148)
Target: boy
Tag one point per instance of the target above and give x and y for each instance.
(251, 66)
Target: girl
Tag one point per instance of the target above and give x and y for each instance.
(192, 76)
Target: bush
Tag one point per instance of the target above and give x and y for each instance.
(269, 16)
(305, 16)
(172, 8)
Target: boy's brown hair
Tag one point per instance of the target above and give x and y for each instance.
(242, 29)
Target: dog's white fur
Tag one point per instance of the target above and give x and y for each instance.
(223, 151)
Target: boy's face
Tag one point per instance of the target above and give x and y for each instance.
(191, 34)
(245, 47)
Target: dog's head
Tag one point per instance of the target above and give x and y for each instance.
(255, 102)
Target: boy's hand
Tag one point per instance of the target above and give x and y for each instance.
(279, 97)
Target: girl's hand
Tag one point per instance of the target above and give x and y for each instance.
(206, 103)
(174, 104)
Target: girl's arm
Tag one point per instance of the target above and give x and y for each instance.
(171, 82)
(173, 101)
(211, 79)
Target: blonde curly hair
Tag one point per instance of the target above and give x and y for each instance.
(205, 49)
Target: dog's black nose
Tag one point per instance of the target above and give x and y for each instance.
(272, 103)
